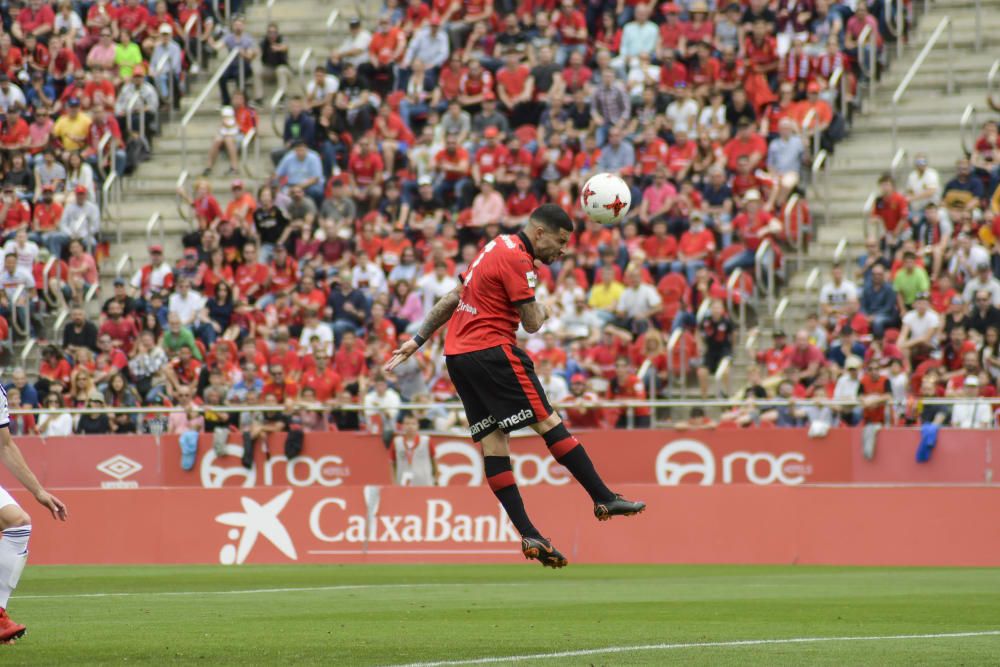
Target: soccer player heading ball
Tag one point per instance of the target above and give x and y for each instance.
(496, 380)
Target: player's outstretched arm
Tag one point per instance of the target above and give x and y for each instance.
(11, 457)
(440, 313)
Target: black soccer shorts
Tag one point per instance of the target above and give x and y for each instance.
(499, 389)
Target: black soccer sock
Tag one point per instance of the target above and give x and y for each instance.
(568, 451)
(501, 480)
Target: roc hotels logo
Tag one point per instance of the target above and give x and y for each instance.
(256, 520)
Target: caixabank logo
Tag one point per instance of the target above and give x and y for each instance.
(304, 525)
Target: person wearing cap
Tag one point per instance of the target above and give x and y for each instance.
(923, 185)
(155, 276)
(848, 388)
(971, 412)
(142, 94)
(72, 128)
(430, 46)
(385, 51)
(354, 49)
(166, 62)
(921, 327)
(81, 219)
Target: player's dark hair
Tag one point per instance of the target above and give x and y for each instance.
(552, 217)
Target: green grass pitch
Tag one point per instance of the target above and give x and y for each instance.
(389, 615)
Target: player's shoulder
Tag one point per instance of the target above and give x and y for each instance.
(512, 249)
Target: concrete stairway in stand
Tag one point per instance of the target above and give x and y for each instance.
(152, 188)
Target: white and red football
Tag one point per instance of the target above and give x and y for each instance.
(605, 198)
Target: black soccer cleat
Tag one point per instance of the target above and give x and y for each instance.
(542, 550)
(617, 506)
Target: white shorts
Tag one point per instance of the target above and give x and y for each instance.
(6, 498)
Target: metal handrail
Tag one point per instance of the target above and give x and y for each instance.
(60, 321)
(751, 342)
(703, 310)
(14, 309)
(26, 351)
(839, 81)
(196, 105)
(107, 198)
(123, 261)
(194, 58)
(279, 95)
(675, 337)
(182, 210)
(792, 208)
(732, 285)
(866, 212)
(967, 129)
(106, 139)
(991, 78)
(301, 66)
(50, 298)
(457, 405)
(91, 293)
(249, 139)
(758, 263)
(867, 34)
(779, 312)
(268, 7)
(894, 165)
(155, 220)
(897, 96)
(838, 253)
(897, 29)
(331, 20)
(817, 169)
(812, 280)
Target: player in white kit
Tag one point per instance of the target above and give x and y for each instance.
(15, 524)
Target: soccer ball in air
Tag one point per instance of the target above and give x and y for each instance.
(605, 198)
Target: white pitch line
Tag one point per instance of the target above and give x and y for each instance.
(260, 591)
(669, 647)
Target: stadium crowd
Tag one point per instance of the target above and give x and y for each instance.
(418, 142)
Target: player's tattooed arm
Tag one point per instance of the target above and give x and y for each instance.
(533, 315)
(440, 313)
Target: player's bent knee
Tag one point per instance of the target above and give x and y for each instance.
(496, 443)
(547, 424)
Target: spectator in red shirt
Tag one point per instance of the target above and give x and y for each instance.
(37, 18)
(625, 386)
(696, 245)
(805, 358)
(577, 415)
(349, 360)
(746, 142)
(322, 378)
(284, 389)
(875, 394)
(252, 278)
(454, 170)
(122, 330)
(385, 50)
(891, 210)
(570, 25)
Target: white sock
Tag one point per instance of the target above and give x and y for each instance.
(13, 556)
